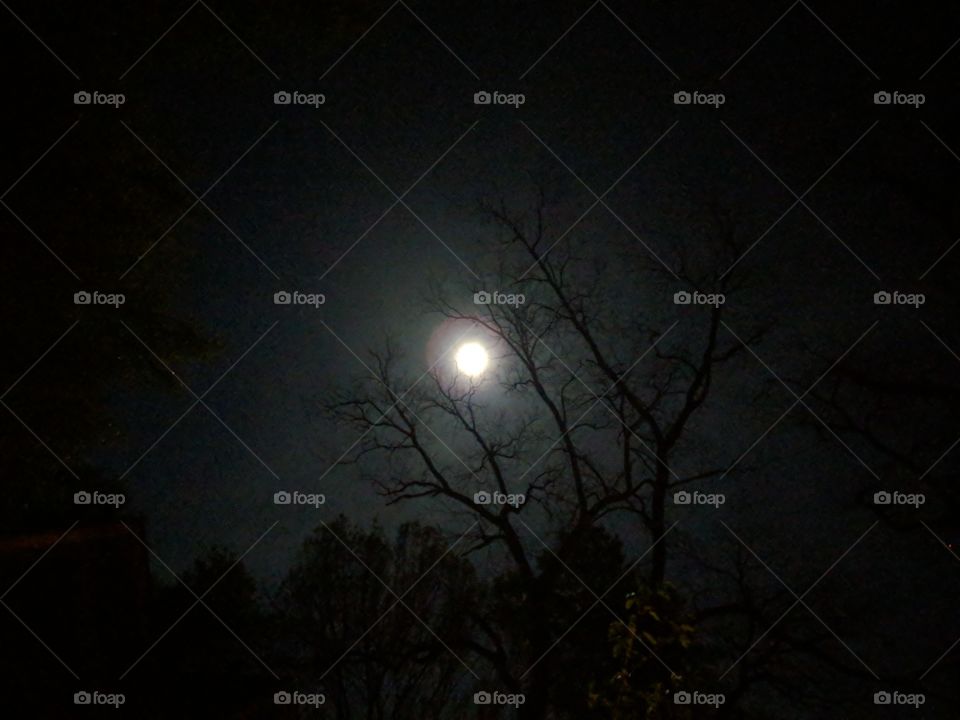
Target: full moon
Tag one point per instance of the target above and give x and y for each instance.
(472, 359)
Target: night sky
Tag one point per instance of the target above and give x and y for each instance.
(799, 193)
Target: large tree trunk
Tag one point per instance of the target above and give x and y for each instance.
(537, 687)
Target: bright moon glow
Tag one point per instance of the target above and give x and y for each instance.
(472, 359)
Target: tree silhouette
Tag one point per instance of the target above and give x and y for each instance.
(407, 665)
(594, 423)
